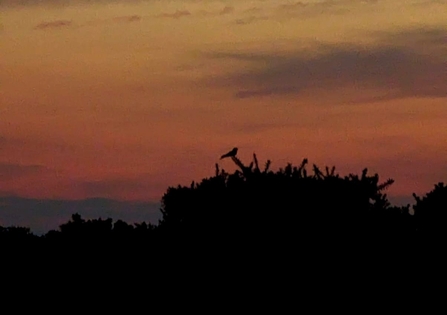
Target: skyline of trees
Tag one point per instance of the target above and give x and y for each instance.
(254, 199)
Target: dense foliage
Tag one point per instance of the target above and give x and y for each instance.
(261, 209)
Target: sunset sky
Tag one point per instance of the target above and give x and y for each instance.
(120, 99)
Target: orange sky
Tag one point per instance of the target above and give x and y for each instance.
(121, 99)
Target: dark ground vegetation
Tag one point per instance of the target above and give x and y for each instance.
(263, 224)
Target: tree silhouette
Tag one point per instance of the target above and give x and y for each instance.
(430, 213)
(286, 208)
(299, 215)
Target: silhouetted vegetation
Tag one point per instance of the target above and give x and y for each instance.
(257, 212)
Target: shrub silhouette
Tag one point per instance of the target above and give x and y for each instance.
(256, 210)
(284, 208)
(430, 213)
(252, 225)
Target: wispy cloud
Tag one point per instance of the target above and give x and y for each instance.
(301, 10)
(11, 171)
(409, 63)
(68, 23)
(310, 9)
(127, 18)
(416, 39)
(105, 187)
(265, 92)
(305, 9)
(253, 10)
(53, 24)
(175, 15)
(60, 3)
(120, 187)
(251, 19)
(226, 10)
(425, 3)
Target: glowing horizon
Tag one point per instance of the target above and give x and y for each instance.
(121, 99)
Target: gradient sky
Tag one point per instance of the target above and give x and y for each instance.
(121, 99)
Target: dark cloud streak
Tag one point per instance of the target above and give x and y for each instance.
(11, 171)
(126, 186)
(311, 9)
(226, 10)
(53, 24)
(176, 15)
(59, 3)
(127, 19)
(251, 19)
(406, 64)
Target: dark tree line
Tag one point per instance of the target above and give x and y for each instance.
(257, 210)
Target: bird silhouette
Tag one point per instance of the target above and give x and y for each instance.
(231, 153)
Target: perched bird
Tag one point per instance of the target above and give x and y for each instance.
(231, 153)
